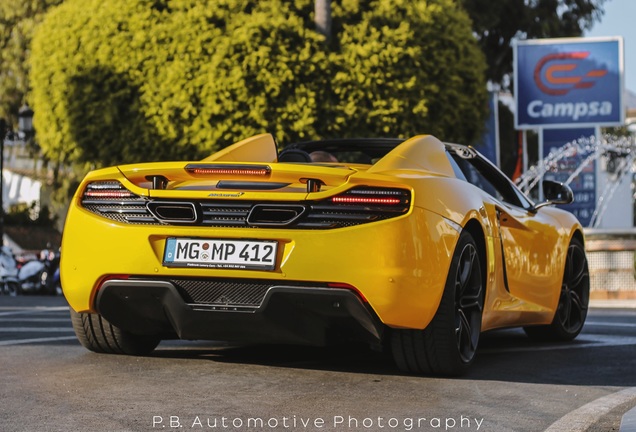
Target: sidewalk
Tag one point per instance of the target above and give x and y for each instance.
(614, 303)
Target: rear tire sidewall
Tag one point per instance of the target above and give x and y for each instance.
(98, 335)
(437, 349)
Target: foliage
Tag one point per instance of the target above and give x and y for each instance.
(496, 23)
(18, 20)
(407, 67)
(24, 214)
(132, 80)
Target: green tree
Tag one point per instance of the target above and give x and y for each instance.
(497, 22)
(18, 20)
(129, 80)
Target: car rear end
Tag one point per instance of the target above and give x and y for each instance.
(253, 252)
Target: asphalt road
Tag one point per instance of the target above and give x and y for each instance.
(48, 382)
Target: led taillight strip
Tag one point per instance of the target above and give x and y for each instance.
(108, 194)
(365, 200)
(246, 170)
(374, 196)
(107, 190)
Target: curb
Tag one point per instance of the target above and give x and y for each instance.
(628, 423)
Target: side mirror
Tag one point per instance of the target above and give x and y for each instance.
(555, 193)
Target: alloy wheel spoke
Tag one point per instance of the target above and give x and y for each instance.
(464, 332)
(565, 308)
(577, 307)
(469, 302)
(466, 340)
(465, 271)
(576, 300)
(579, 269)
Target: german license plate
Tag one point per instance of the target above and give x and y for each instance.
(220, 253)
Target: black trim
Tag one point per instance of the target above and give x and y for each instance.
(297, 314)
(173, 211)
(503, 252)
(310, 214)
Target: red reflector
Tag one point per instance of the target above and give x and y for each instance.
(350, 288)
(365, 200)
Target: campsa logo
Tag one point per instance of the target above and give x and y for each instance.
(556, 74)
(560, 75)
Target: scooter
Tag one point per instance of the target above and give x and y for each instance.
(30, 275)
(38, 276)
(9, 284)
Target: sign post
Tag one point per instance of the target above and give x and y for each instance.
(567, 89)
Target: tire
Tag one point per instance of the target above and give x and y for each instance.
(98, 335)
(449, 343)
(571, 312)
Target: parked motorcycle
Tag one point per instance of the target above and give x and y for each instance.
(29, 276)
(9, 284)
(50, 277)
(38, 276)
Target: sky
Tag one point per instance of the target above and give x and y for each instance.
(619, 20)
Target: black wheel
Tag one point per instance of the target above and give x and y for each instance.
(449, 343)
(574, 300)
(98, 335)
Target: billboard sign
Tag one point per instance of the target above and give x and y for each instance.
(568, 83)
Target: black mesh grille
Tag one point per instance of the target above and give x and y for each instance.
(130, 212)
(222, 292)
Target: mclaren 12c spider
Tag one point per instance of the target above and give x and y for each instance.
(415, 246)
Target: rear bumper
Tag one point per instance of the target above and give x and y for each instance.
(296, 314)
(399, 265)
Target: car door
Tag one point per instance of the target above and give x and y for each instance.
(530, 250)
(529, 238)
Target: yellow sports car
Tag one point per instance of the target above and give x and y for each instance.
(414, 245)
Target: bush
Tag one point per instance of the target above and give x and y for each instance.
(139, 80)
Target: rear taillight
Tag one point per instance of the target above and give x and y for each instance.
(363, 200)
(107, 190)
(374, 196)
(111, 200)
(238, 170)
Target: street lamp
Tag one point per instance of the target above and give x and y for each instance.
(3, 135)
(27, 132)
(25, 121)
